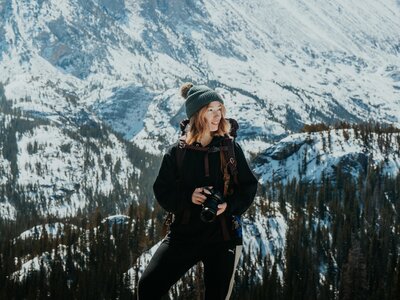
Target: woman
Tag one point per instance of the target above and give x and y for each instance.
(182, 189)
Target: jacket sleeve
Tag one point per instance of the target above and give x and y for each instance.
(243, 194)
(168, 191)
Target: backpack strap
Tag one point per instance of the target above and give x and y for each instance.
(230, 158)
(229, 170)
(180, 154)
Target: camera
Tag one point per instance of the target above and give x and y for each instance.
(210, 205)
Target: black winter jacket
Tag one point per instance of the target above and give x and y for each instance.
(175, 197)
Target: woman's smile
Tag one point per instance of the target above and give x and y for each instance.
(213, 115)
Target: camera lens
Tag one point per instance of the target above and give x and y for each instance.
(210, 206)
(207, 215)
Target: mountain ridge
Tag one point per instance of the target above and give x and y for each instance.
(329, 62)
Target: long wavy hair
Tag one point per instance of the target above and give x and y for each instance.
(198, 126)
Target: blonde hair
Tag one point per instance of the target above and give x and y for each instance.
(198, 125)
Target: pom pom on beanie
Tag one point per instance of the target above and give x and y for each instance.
(185, 89)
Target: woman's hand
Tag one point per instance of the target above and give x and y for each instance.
(198, 196)
(221, 208)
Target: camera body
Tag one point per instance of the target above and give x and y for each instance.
(210, 205)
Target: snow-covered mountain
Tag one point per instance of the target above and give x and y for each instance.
(312, 156)
(76, 73)
(51, 230)
(48, 169)
(279, 64)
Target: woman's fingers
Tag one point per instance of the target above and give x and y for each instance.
(198, 196)
(221, 208)
(199, 199)
(207, 189)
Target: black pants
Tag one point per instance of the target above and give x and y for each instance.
(172, 260)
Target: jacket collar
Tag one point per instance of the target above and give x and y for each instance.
(215, 141)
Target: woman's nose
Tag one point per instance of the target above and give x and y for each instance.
(217, 113)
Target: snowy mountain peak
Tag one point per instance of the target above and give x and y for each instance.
(285, 63)
(312, 156)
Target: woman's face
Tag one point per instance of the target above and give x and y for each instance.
(213, 115)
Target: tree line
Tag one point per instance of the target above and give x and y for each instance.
(342, 242)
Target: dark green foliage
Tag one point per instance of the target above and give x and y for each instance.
(91, 130)
(87, 262)
(357, 249)
(314, 127)
(354, 275)
(66, 148)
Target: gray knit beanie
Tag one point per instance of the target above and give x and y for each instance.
(198, 96)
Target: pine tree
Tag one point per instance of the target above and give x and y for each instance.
(354, 283)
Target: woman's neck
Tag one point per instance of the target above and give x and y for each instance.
(206, 139)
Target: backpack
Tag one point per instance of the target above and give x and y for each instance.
(229, 165)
